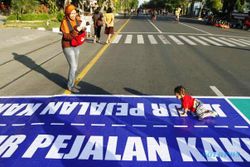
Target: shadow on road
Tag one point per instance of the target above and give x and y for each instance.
(33, 66)
(87, 88)
(135, 92)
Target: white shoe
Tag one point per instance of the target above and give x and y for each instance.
(77, 87)
(73, 90)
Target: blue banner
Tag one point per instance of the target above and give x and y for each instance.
(119, 131)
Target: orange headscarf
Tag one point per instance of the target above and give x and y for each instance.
(69, 9)
(64, 25)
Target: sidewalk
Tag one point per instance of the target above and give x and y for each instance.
(14, 36)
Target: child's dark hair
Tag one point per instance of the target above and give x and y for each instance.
(87, 23)
(179, 89)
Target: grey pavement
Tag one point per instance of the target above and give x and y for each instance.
(34, 64)
(155, 68)
(148, 58)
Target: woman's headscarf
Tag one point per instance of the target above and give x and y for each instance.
(69, 9)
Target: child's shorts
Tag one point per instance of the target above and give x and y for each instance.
(200, 108)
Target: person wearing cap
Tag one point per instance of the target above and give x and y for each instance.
(71, 53)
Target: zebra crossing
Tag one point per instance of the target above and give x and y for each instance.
(193, 40)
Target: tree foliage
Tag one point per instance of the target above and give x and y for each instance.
(226, 6)
(52, 6)
(170, 5)
(214, 5)
(20, 7)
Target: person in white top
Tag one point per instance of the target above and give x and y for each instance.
(88, 29)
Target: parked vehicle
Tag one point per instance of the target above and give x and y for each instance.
(246, 25)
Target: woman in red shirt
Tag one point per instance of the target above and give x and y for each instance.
(188, 103)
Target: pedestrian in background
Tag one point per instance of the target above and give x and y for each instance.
(98, 23)
(177, 14)
(88, 29)
(153, 15)
(109, 24)
(71, 53)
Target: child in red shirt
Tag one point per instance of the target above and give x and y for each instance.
(195, 106)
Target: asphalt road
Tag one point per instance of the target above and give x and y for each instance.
(146, 58)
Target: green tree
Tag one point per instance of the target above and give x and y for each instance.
(239, 5)
(214, 5)
(20, 7)
(230, 5)
(133, 4)
(52, 6)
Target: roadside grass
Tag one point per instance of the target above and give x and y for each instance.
(48, 25)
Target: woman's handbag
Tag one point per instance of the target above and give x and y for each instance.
(78, 40)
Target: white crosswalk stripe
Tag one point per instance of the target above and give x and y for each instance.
(163, 39)
(128, 39)
(198, 40)
(140, 39)
(238, 40)
(181, 40)
(152, 39)
(177, 41)
(233, 42)
(223, 42)
(187, 40)
(117, 39)
(248, 42)
(210, 41)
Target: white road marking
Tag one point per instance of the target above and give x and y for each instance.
(238, 40)
(180, 126)
(18, 124)
(77, 124)
(117, 39)
(198, 40)
(118, 125)
(163, 39)
(152, 39)
(223, 42)
(187, 40)
(210, 41)
(200, 126)
(220, 126)
(177, 41)
(216, 91)
(243, 127)
(98, 125)
(195, 28)
(128, 39)
(57, 124)
(238, 111)
(37, 123)
(139, 126)
(233, 42)
(193, 34)
(160, 126)
(244, 40)
(3, 124)
(140, 39)
(155, 26)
